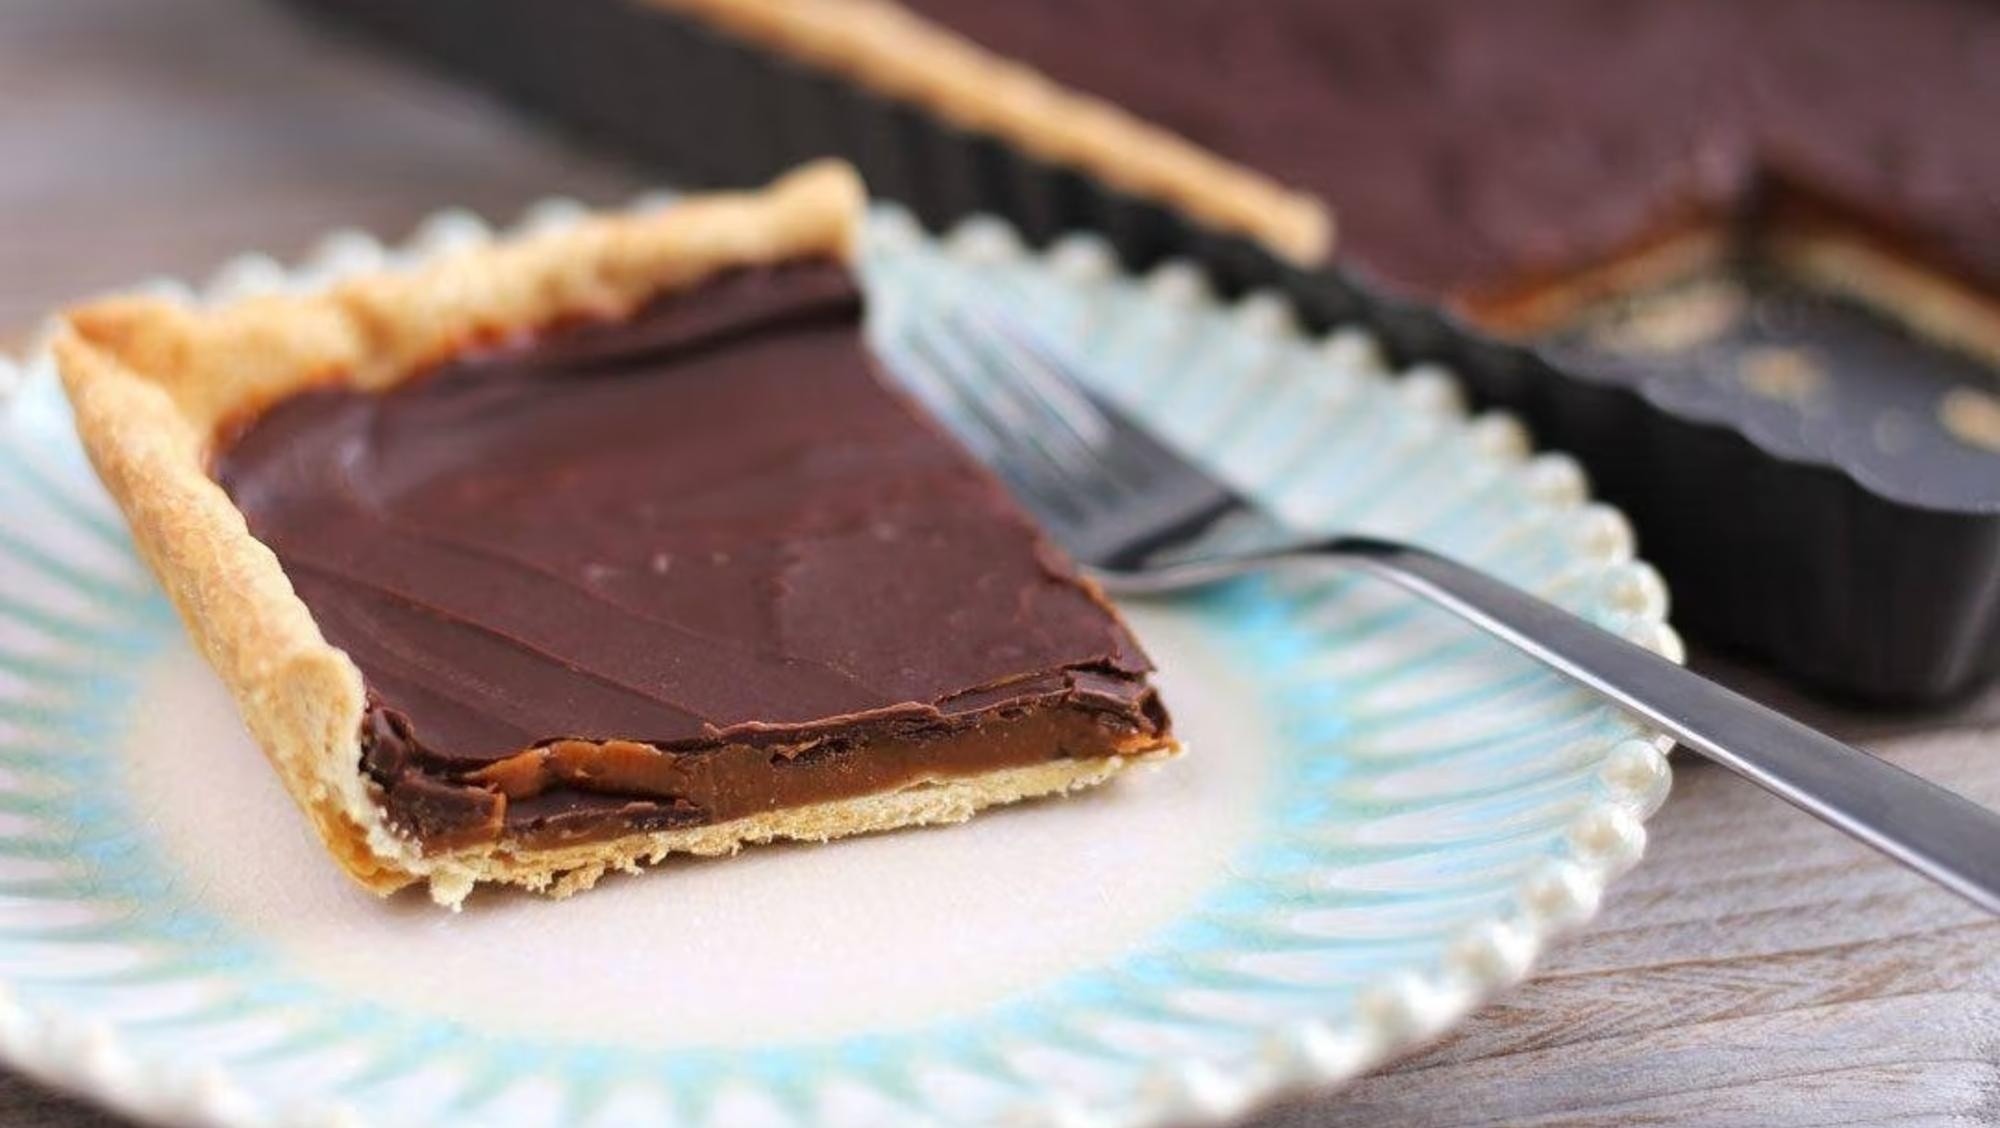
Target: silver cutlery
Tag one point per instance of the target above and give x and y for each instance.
(1147, 521)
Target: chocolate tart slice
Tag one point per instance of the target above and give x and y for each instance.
(575, 551)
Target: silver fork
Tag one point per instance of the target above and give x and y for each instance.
(1147, 521)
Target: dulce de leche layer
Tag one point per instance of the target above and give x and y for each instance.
(674, 570)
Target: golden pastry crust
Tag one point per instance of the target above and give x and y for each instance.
(1934, 305)
(1825, 257)
(887, 48)
(156, 385)
(1556, 302)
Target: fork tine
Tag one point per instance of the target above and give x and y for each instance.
(1070, 435)
(934, 371)
(1062, 401)
(1107, 489)
(1001, 434)
(1128, 452)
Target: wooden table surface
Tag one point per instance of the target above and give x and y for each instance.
(1756, 969)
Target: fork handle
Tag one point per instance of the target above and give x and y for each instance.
(1938, 833)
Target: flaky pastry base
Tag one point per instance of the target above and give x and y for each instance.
(155, 385)
(1934, 305)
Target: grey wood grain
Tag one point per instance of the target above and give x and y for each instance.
(1757, 969)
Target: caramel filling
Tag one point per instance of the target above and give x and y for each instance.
(675, 569)
(569, 791)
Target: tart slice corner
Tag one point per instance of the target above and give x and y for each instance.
(578, 549)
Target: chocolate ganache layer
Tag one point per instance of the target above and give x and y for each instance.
(674, 570)
(1471, 149)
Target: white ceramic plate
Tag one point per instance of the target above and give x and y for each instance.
(1381, 820)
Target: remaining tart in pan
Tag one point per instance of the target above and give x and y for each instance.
(566, 553)
(1519, 161)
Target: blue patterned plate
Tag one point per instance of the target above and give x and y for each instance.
(1381, 820)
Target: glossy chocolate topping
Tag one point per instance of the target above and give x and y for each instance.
(676, 569)
(1470, 146)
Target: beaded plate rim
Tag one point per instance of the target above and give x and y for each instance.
(89, 1057)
